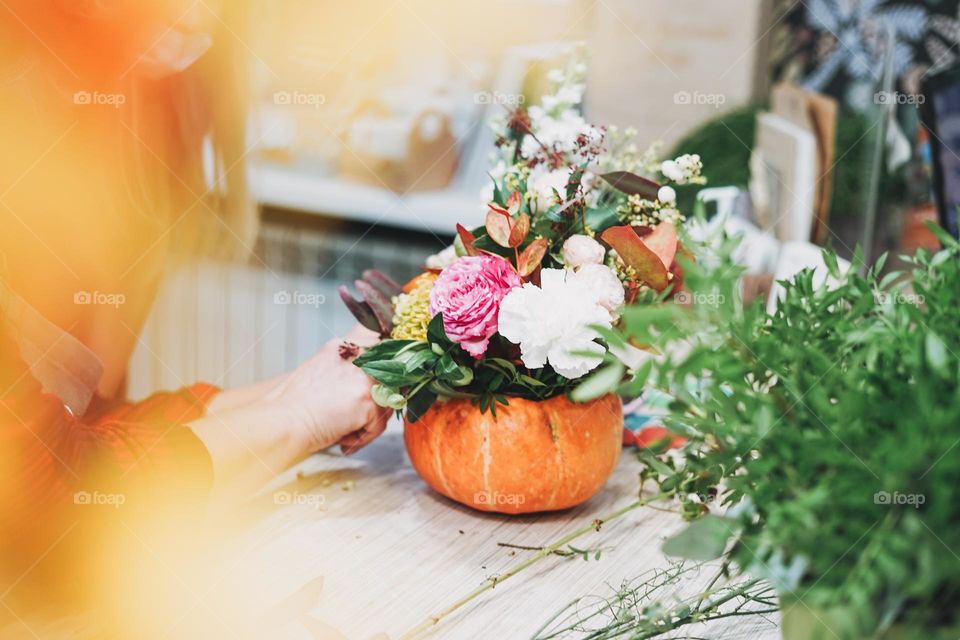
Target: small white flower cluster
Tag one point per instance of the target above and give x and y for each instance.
(559, 129)
(543, 183)
(642, 212)
(568, 89)
(558, 132)
(683, 170)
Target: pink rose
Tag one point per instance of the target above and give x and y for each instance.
(468, 294)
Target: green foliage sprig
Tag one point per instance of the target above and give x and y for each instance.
(829, 433)
(413, 374)
(651, 606)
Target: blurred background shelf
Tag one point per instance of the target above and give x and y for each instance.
(300, 189)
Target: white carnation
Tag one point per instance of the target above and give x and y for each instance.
(551, 323)
(603, 283)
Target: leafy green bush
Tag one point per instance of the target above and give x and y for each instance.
(832, 431)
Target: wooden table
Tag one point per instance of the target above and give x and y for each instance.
(361, 544)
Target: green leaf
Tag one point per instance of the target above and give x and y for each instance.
(530, 381)
(610, 336)
(946, 240)
(937, 354)
(421, 359)
(830, 259)
(573, 183)
(436, 333)
(503, 365)
(420, 403)
(650, 459)
(599, 219)
(634, 387)
(444, 390)
(391, 373)
(603, 381)
(386, 350)
(703, 540)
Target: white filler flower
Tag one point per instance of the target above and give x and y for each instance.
(551, 323)
(543, 183)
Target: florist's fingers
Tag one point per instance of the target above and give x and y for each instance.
(349, 443)
(360, 438)
(362, 337)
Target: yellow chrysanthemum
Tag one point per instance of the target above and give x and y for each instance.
(411, 313)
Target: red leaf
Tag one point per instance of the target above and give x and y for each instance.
(677, 270)
(498, 225)
(646, 264)
(468, 239)
(632, 184)
(663, 242)
(382, 282)
(513, 203)
(360, 310)
(521, 227)
(380, 304)
(531, 257)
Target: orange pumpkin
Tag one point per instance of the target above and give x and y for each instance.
(533, 456)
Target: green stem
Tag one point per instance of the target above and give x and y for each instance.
(523, 547)
(540, 555)
(420, 385)
(703, 613)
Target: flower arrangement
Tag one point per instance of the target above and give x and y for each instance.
(578, 225)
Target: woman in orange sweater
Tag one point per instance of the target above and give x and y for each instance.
(106, 114)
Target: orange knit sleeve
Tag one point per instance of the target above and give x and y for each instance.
(60, 475)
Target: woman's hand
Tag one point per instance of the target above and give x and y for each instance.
(332, 396)
(255, 433)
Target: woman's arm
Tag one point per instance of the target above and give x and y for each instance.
(231, 399)
(262, 430)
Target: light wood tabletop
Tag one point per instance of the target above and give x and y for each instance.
(359, 547)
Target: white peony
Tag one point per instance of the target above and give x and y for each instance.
(579, 250)
(552, 322)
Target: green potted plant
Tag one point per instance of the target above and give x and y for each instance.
(823, 448)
